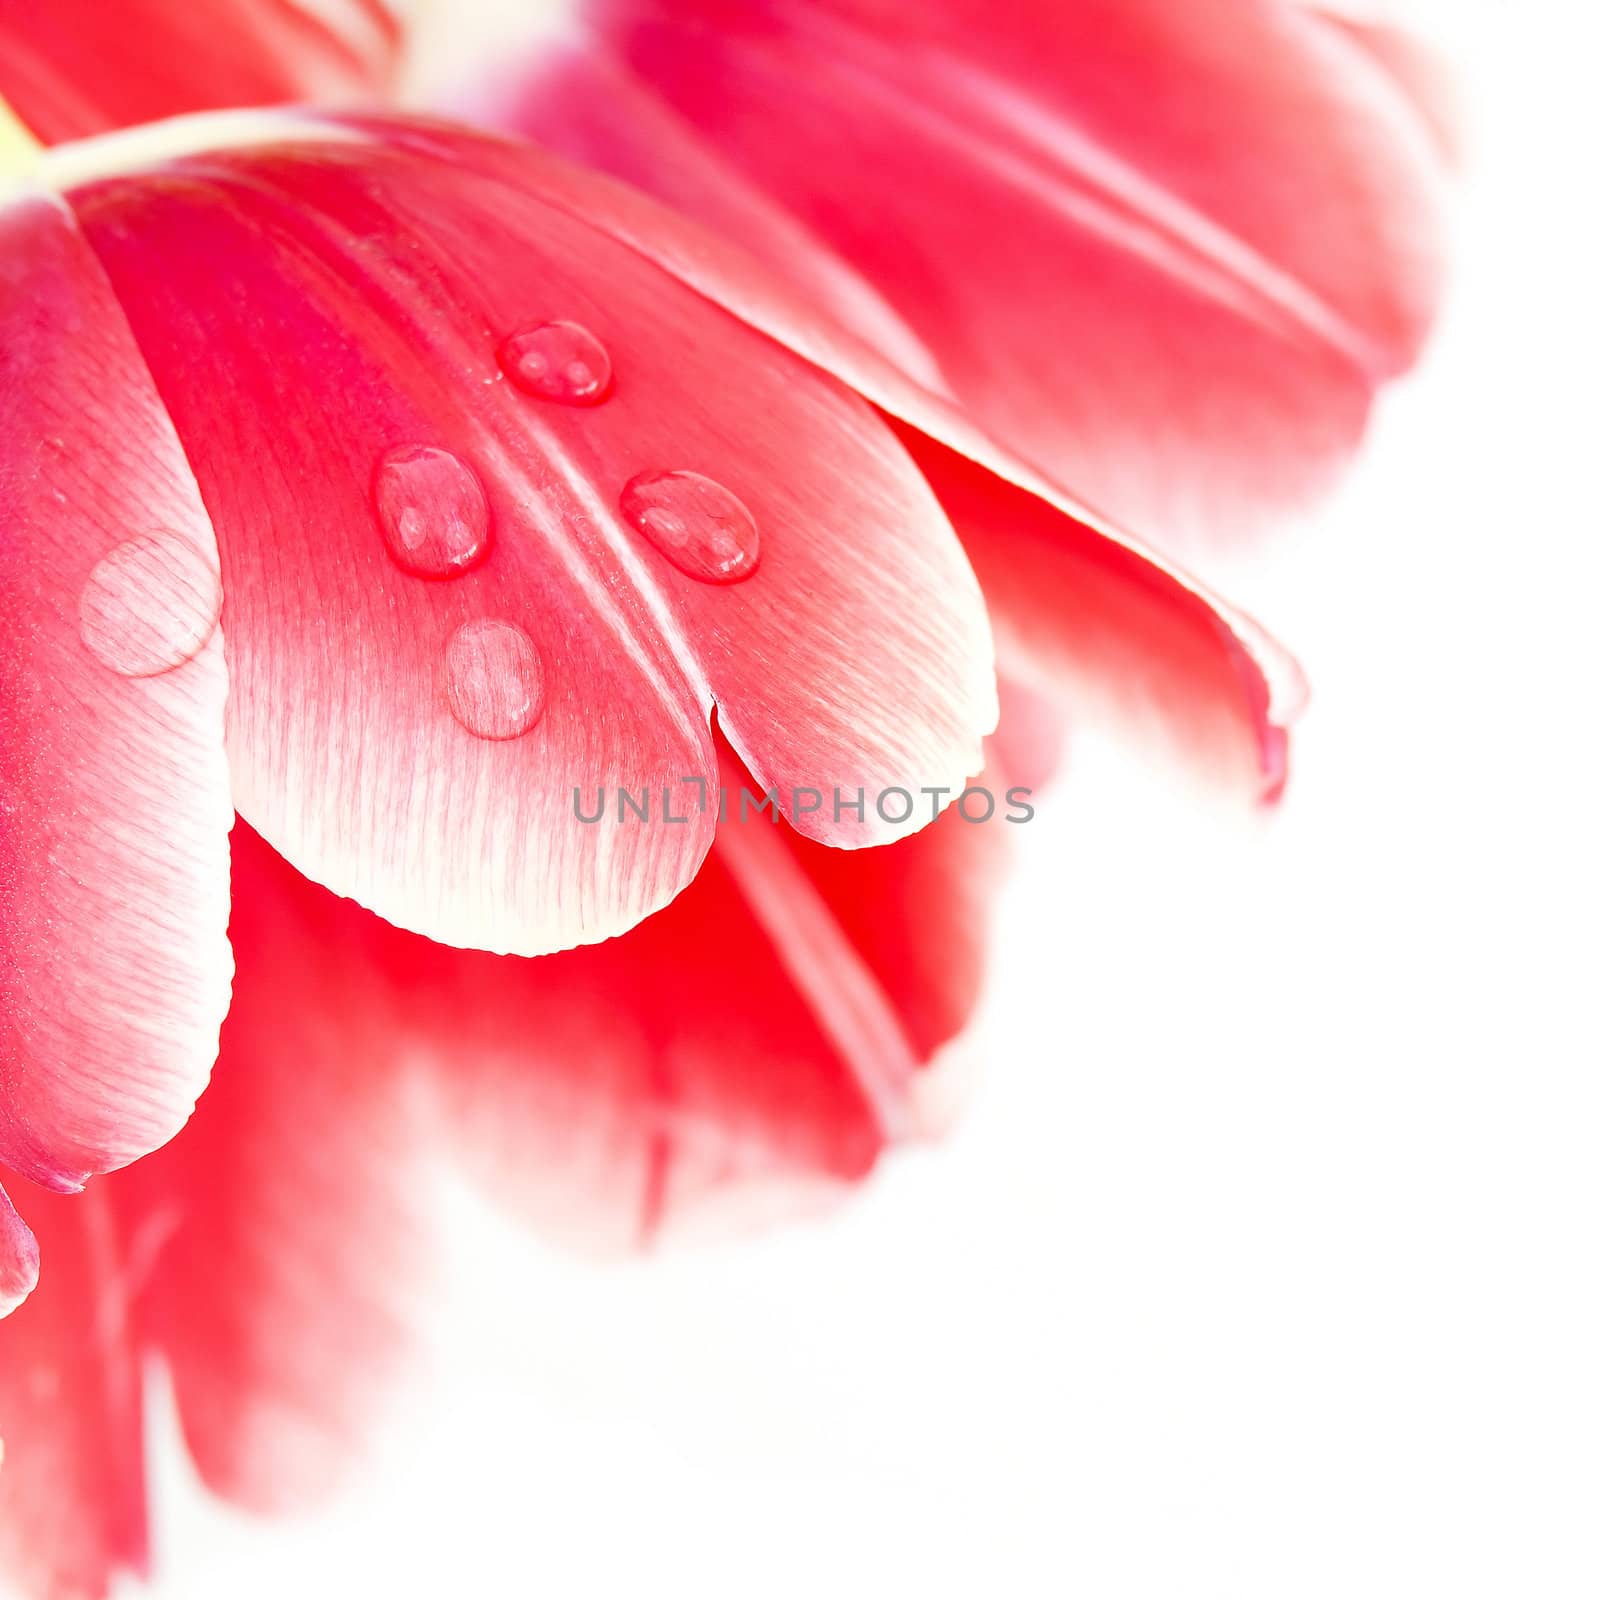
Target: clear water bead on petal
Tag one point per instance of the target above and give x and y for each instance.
(702, 528)
(150, 605)
(560, 361)
(432, 510)
(494, 679)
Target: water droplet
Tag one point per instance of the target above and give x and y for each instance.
(432, 510)
(494, 679)
(150, 605)
(560, 361)
(700, 527)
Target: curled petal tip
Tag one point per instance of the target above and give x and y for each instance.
(19, 1258)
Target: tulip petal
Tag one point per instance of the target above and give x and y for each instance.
(114, 964)
(74, 68)
(1245, 688)
(273, 1274)
(748, 1051)
(591, 109)
(753, 1046)
(1084, 618)
(726, 1058)
(316, 312)
(1422, 77)
(72, 1512)
(1182, 315)
(288, 1242)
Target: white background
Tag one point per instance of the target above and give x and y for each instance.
(1263, 1263)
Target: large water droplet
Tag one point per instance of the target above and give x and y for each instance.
(494, 679)
(150, 605)
(560, 361)
(700, 527)
(432, 510)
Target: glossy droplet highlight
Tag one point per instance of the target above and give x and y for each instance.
(150, 605)
(494, 679)
(702, 528)
(560, 361)
(432, 510)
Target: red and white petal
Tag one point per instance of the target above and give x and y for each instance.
(283, 1243)
(1180, 315)
(589, 107)
(1242, 688)
(371, 284)
(114, 963)
(753, 1046)
(74, 68)
(1120, 640)
(72, 1493)
(269, 1259)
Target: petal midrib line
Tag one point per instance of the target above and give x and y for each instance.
(353, 275)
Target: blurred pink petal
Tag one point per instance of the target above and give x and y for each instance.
(761, 1040)
(72, 1490)
(265, 1257)
(1418, 71)
(746, 1049)
(114, 965)
(72, 68)
(1181, 312)
(279, 1237)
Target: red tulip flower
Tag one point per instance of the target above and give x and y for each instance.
(398, 488)
(452, 598)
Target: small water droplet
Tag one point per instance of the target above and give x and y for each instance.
(560, 361)
(702, 528)
(494, 679)
(432, 510)
(150, 605)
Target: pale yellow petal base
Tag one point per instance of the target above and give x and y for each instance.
(19, 150)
